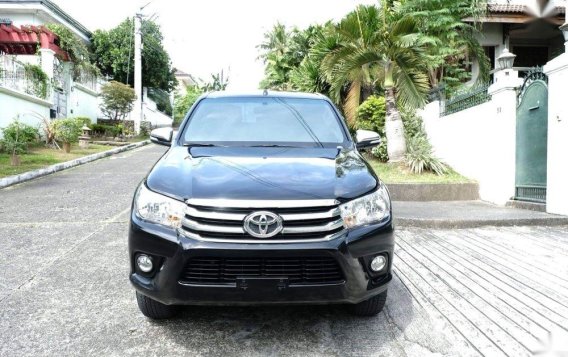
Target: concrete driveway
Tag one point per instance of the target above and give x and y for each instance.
(64, 287)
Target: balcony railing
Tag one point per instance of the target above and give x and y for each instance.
(87, 79)
(18, 79)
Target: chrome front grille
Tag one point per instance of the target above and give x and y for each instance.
(223, 220)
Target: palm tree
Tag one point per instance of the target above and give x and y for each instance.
(276, 52)
(380, 47)
(351, 81)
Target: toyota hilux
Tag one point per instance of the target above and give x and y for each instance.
(261, 198)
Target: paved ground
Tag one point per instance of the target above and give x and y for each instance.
(64, 288)
(468, 214)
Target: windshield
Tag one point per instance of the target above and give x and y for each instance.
(263, 121)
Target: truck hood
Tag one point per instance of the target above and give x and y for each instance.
(261, 173)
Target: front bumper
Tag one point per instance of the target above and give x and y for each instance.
(171, 252)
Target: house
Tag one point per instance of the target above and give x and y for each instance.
(511, 136)
(184, 80)
(527, 28)
(68, 91)
(40, 12)
(65, 93)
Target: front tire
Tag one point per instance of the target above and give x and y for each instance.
(370, 307)
(154, 309)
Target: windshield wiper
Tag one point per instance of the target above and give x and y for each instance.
(271, 146)
(190, 144)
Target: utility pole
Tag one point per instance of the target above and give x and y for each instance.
(137, 112)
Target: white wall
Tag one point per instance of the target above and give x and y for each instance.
(83, 102)
(155, 117)
(491, 34)
(479, 142)
(29, 108)
(557, 167)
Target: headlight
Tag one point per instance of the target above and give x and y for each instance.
(367, 209)
(156, 208)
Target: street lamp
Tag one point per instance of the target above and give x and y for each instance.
(564, 29)
(506, 59)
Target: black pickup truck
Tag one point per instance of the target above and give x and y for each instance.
(261, 198)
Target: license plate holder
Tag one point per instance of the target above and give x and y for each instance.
(262, 283)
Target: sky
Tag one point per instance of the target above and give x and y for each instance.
(203, 37)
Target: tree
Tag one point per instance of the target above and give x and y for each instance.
(16, 138)
(452, 43)
(283, 51)
(113, 53)
(346, 64)
(117, 100)
(388, 52)
(67, 131)
(218, 83)
(182, 103)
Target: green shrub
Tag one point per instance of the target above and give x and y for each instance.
(371, 116)
(145, 128)
(39, 80)
(380, 152)
(106, 130)
(117, 100)
(84, 121)
(419, 156)
(412, 124)
(17, 136)
(67, 130)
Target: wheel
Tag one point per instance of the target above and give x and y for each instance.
(370, 307)
(153, 309)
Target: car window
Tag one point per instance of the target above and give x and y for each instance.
(266, 120)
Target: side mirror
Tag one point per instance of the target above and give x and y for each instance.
(162, 136)
(367, 139)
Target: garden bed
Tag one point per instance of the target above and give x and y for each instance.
(40, 156)
(399, 173)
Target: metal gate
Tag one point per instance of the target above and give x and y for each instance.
(532, 134)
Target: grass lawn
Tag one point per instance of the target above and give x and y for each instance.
(398, 173)
(40, 156)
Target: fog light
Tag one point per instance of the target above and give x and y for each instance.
(378, 263)
(144, 263)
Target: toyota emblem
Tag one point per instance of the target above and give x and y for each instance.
(263, 224)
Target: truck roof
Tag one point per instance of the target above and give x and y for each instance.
(262, 93)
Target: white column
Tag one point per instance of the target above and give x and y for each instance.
(47, 57)
(557, 170)
(498, 183)
(137, 110)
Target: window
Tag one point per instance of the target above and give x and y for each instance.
(247, 121)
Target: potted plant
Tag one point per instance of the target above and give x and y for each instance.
(67, 131)
(16, 138)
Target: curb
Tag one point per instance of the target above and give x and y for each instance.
(464, 224)
(467, 191)
(30, 175)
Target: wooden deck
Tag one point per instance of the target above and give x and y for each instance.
(487, 291)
